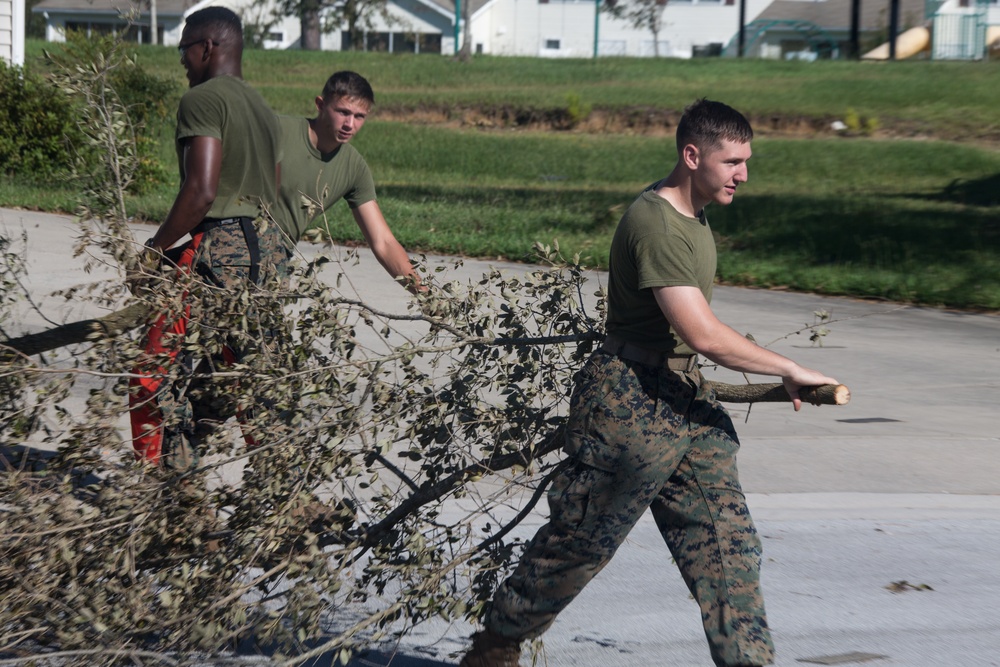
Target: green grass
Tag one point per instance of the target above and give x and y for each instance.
(913, 221)
(943, 98)
(896, 219)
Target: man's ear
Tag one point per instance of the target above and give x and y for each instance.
(690, 156)
(319, 103)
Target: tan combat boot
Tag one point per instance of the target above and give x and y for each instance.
(489, 650)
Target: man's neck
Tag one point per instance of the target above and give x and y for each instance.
(676, 189)
(322, 144)
(226, 68)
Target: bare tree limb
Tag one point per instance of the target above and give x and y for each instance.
(774, 392)
(73, 333)
(132, 316)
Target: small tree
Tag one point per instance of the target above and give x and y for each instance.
(465, 53)
(386, 456)
(324, 16)
(389, 451)
(642, 14)
(259, 19)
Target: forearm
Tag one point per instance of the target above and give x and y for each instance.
(202, 163)
(687, 311)
(393, 258)
(387, 250)
(184, 216)
(728, 348)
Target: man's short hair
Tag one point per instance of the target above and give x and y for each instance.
(224, 24)
(348, 84)
(706, 124)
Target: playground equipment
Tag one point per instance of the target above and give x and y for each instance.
(922, 40)
(908, 44)
(949, 30)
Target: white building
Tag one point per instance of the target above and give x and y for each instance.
(12, 31)
(546, 28)
(106, 16)
(573, 28)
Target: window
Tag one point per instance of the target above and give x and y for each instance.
(275, 37)
(395, 42)
(552, 44)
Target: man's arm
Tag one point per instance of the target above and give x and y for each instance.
(384, 245)
(202, 164)
(692, 318)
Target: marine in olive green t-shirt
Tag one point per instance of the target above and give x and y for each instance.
(228, 109)
(312, 181)
(655, 246)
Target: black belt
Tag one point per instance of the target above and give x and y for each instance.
(249, 235)
(623, 349)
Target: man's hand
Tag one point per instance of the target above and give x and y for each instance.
(803, 377)
(140, 278)
(437, 305)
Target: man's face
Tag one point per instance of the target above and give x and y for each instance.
(340, 118)
(720, 171)
(192, 48)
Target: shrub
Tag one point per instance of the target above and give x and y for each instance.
(146, 98)
(38, 126)
(577, 110)
(858, 124)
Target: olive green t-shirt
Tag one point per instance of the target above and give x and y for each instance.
(229, 110)
(312, 182)
(655, 246)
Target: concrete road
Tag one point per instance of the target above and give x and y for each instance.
(880, 519)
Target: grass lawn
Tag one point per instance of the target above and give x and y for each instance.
(888, 217)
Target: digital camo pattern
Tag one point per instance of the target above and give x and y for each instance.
(645, 437)
(194, 410)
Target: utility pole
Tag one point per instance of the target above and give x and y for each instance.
(893, 27)
(741, 41)
(597, 23)
(855, 42)
(152, 22)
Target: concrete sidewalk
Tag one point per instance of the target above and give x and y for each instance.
(880, 519)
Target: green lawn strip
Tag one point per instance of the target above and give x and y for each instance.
(942, 98)
(909, 220)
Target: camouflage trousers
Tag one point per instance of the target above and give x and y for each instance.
(170, 420)
(645, 437)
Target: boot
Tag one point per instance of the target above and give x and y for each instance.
(490, 650)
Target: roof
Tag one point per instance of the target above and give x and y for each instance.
(836, 14)
(448, 6)
(163, 7)
(179, 7)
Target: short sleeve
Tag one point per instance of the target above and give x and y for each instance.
(363, 190)
(664, 259)
(201, 113)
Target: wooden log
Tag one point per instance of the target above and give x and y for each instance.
(132, 316)
(774, 392)
(76, 332)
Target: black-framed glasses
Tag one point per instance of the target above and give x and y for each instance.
(182, 48)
